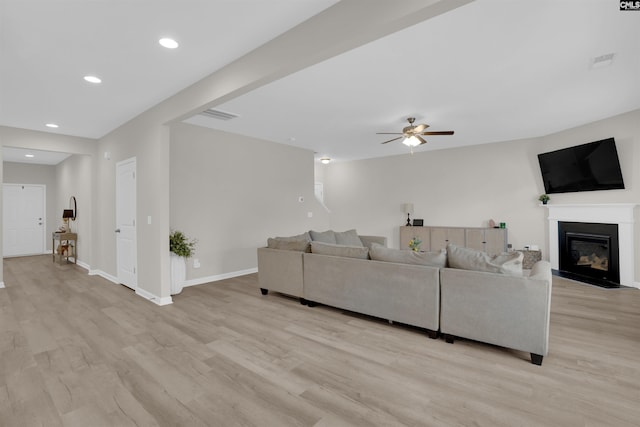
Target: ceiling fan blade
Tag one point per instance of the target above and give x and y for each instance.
(442, 132)
(400, 137)
(388, 133)
(420, 128)
(422, 140)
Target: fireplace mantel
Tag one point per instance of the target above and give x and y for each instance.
(621, 214)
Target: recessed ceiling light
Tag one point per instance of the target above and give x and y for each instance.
(168, 43)
(29, 155)
(92, 79)
(325, 160)
(52, 125)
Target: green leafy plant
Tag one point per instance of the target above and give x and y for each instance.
(544, 198)
(181, 245)
(415, 243)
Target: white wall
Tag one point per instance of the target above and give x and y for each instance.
(467, 186)
(24, 173)
(73, 178)
(232, 192)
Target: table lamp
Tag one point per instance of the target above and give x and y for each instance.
(66, 214)
(408, 209)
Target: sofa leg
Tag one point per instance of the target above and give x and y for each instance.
(432, 334)
(536, 359)
(264, 291)
(303, 301)
(448, 338)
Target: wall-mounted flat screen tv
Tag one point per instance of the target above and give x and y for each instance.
(586, 167)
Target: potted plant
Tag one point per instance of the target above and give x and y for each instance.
(181, 248)
(544, 199)
(415, 243)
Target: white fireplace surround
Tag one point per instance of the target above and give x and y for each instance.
(621, 214)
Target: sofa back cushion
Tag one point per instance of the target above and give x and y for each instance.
(289, 245)
(348, 238)
(434, 259)
(328, 236)
(361, 252)
(470, 259)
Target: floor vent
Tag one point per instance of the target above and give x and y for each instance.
(217, 114)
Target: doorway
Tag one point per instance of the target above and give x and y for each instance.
(126, 240)
(23, 225)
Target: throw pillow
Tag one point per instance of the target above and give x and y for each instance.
(289, 245)
(340, 250)
(328, 236)
(348, 238)
(433, 259)
(471, 259)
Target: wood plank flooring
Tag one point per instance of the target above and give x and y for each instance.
(77, 350)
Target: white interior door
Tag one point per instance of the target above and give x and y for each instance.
(23, 224)
(126, 223)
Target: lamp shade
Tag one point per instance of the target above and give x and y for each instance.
(67, 213)
(407, 208)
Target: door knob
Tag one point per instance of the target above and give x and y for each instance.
(117, 230)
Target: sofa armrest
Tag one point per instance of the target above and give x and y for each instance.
(541, 270)
(498, 309)
(280, 271)
(368, 240)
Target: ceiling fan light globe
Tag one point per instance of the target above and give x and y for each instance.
(412, 141)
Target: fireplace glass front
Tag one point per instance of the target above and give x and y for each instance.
(589, 252)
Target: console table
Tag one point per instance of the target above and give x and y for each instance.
(67, 246)
(490, 240)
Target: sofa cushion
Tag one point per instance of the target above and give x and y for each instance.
(434, 259)
(289, 245)
(471, 259)
(361, 252)
(300, 237)
(348, 238)
(328, 236)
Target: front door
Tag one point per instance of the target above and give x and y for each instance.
(126, 245)
(23, 219)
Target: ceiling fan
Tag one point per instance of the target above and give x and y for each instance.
(413, 134)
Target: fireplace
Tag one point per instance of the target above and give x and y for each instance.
(620, 215)
(589, 252)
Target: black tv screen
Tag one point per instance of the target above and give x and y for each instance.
(586, 167)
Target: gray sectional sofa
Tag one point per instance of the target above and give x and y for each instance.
(443, 293)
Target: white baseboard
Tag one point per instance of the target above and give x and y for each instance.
(203, 280)
(103, 275)
(154, 298)
(1, 285)
(140, 292)
(84, 265)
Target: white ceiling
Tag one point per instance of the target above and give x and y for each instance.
(491, 70)
(48, 46)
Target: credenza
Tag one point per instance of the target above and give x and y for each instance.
(490, 240)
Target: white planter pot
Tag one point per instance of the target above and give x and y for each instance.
(178, 273)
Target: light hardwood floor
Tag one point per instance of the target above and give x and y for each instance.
(77, 350)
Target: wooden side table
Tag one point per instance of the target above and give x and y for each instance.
(67, 246)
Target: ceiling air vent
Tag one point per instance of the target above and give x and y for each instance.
(602, 60)
(217, 114)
